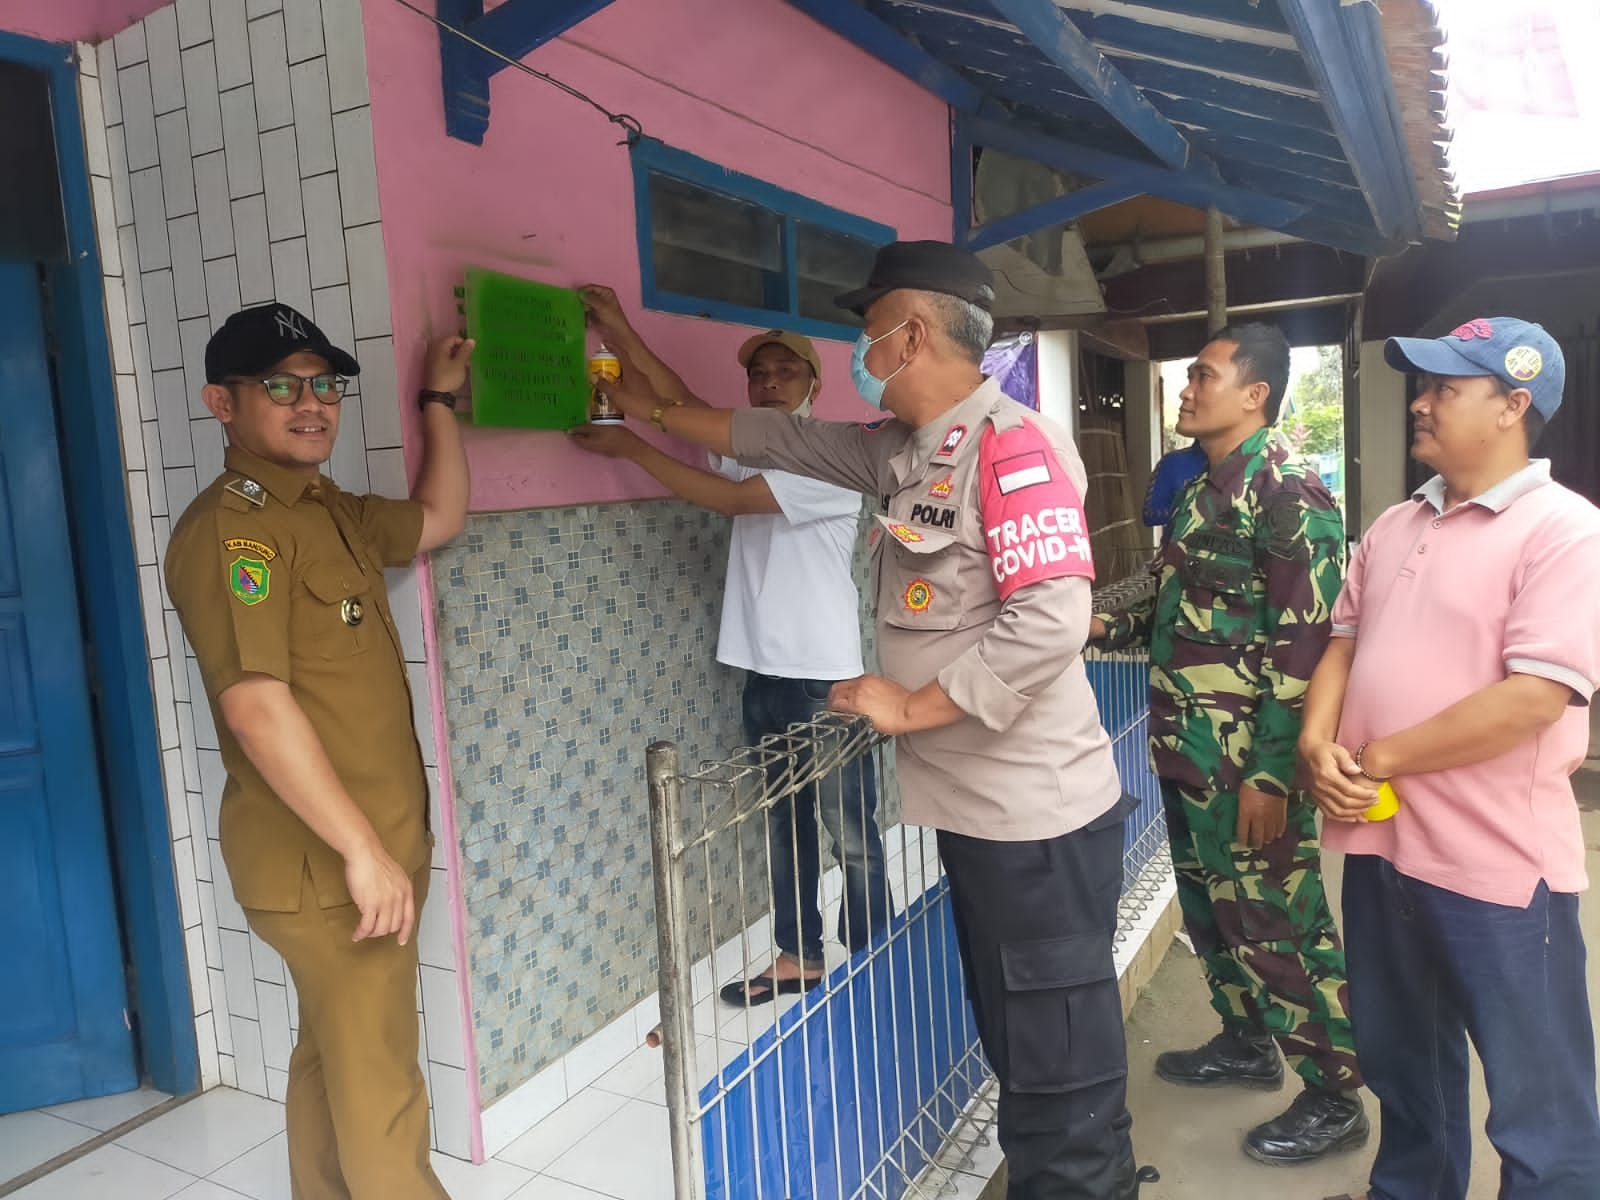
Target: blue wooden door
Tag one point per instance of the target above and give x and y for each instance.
(64, 1027)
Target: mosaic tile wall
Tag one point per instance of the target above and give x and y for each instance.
(570, 639)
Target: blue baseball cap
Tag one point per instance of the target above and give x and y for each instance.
(1519, 354)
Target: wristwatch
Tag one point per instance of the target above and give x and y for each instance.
(660, 412)
(428, 396)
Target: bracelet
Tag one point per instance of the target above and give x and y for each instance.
(428, 396)
(1366, 774)
(660, 412)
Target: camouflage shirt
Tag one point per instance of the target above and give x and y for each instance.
(1245, 584)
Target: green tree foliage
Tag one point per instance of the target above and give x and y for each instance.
(1316, 424)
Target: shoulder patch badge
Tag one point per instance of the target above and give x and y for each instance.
(247, 489)
(249, 579)
(952, 439)
(249, 545)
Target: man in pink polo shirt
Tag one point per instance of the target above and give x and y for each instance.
(1465, 650)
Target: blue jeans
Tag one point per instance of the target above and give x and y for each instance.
(1430, 968)
(848, 807)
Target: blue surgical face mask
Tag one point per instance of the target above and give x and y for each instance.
(868, 384)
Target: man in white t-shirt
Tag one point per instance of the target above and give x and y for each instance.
(791, 619)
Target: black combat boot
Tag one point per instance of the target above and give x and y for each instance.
(1245, 1059)
(1319, 1122)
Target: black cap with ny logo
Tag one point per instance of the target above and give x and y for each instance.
(254, 340)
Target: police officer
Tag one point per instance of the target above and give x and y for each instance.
(1246, 579)
(277, 576)
(983, 582)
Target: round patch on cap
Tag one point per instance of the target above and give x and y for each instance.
(1523, 362)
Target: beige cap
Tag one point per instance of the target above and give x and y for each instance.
(797, 342)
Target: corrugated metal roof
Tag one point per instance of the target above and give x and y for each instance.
(1413, 46)
(1322, 120)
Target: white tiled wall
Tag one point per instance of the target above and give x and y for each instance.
(232, 163)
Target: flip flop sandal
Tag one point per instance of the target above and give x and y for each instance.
(738, 993)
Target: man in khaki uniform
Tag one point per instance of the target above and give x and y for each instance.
(277, 576)
(984, 575)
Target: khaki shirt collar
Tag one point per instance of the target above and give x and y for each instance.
(928, 443)
(283, 484)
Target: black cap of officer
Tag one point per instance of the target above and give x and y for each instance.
(256, 339)
(926, 267)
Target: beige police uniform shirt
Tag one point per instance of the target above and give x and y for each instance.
(983, 583)
(275, 575)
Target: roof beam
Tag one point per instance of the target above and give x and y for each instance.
(1343, 46)
(515, 29)
(1318, 325)
(1064, 44)
(962, 169)
(1052, 212)
(1270, 65)
(1259, 279)
(1192, 187)
(887, 45)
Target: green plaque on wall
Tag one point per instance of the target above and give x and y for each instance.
(530, 367)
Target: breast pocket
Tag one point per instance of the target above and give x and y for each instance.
(1217, 603)
(920, 586)
(332, 620)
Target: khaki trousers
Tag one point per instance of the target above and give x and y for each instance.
(357, 1103)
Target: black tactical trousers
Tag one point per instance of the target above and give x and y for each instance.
(1034, 921)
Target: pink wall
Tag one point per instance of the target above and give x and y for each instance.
(754, 85)
(74, 20)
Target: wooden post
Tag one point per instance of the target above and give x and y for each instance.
(1216, 273)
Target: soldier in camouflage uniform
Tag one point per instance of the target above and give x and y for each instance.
(1246, 579)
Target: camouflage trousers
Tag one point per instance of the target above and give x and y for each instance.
(1260, 923)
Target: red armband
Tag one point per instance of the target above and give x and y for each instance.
(1032, 514)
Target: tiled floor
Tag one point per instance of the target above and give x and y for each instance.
(607, 1142)
(28, 1139)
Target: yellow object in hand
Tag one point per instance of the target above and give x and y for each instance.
(1387, 805)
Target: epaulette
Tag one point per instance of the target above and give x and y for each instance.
(247, 490)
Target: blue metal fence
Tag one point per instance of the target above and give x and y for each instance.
(854, 1087)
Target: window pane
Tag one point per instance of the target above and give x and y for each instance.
(716, 247)
(830, 262)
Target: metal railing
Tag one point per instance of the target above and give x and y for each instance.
(872, 1083)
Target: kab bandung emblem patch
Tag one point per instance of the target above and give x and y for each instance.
(249, 579)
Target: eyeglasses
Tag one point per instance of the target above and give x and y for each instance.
(286, 387)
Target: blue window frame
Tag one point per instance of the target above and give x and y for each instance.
(715, 243)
